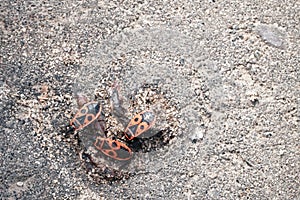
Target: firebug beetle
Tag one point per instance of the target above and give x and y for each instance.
(140, 123)
(86, 115)
(113, 148)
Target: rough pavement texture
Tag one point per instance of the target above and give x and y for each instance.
(231, 69)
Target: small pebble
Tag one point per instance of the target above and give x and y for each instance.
(272, 35)
(197, 135)
(20, 184)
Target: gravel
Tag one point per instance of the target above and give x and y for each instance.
(230, 69)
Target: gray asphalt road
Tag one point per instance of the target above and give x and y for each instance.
(228, 73)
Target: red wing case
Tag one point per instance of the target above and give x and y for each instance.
(113, 149)
(139, 124)
(86, 115)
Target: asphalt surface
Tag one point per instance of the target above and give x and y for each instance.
(230, 70)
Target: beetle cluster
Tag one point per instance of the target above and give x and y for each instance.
(92, 112)
(109, 135)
